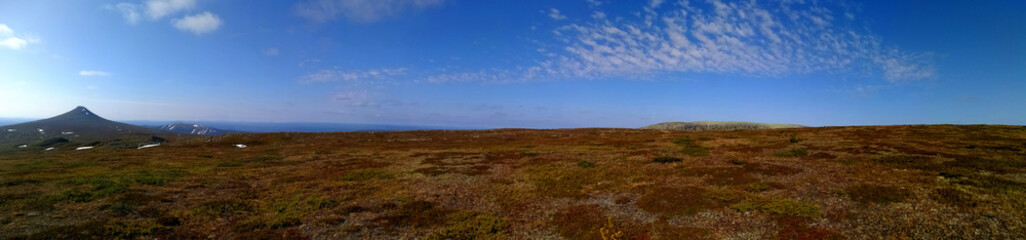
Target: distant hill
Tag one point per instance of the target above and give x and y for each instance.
(190, 128)
(76, 127)
(263, 127)
(710, 125)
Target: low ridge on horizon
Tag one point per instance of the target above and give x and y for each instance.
(715, 125)
(193, 128)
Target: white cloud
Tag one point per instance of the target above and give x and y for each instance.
(129, 11)
(157, 9)
(359, 98)
(152, 9)
(735, 38)
(554, 14)
(899, 67)
(93, 73)
(486, 76)
(365, 11)
(655, 3)
(9, 40)
(761, 39)
(271, 51)
(13, 43)
(5, 31)
(198, 24)
(358, 77)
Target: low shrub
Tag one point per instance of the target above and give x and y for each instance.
(794, 208)
(159, 178)
(868, 193)
(415, 214)
(585, 164)
(728, 176)
(99, 187)
(471, 225)
(666, 159)
(954, 197)
(691, 148)
(367, 174)
(17, 182)
(122, 208)
(794, 139)
(579, 222)
(673, 201)
(757, 187)
(781, 207)
(793, 152)
(223, 208)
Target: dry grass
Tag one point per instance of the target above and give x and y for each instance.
(807, 183)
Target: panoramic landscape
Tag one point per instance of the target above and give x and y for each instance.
(449, 119)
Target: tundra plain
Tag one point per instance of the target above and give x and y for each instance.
(865, 182)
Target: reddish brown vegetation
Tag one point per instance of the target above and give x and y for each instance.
(875, 182)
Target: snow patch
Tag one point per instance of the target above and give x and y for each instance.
(67, 133)
(195, 125)
(240, 145)
(84, 148)
(12, 130)
(48, 149)
(149, 145)
(23, 146)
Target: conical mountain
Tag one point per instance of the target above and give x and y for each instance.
(77, 125)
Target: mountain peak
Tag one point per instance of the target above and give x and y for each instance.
(82, 109)
(81, 113)
(78, 125)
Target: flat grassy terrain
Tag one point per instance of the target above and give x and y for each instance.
(887, 182)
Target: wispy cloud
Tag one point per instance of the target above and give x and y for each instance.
(157, 9)
(360, 98)
(152, 9)
(484, 76)
(899, 66)
(130, 11)
(554, 14)
(365, 11)
(271, 51)
(734, 38)
(5, 31)
(9, 40)
(359, 77)
(198, 24)
(763, 39)
(93, 73)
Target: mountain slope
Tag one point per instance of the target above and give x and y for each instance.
(78, 125)
(197, 129)
(710, 125)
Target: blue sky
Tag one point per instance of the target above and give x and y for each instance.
(539, 64)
